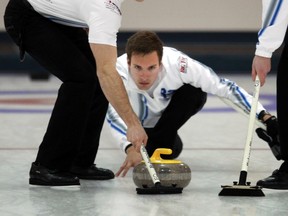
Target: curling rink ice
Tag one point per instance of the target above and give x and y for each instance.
(213, 140)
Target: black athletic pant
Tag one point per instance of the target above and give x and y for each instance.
(282, 101)
(185, 102)
(76, 122)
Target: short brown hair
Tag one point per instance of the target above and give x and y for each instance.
(144, 42)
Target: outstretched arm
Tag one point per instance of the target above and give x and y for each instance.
(268, 128)
(258, 122)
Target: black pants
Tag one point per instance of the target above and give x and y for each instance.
(282, 100)
(185, 102)
(73, 132)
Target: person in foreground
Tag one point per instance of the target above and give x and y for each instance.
(166, 87)
(270, 38)
(68, 38)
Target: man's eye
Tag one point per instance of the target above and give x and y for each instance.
(137, 67)
(152, 68)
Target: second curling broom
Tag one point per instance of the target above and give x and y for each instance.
(243, 188)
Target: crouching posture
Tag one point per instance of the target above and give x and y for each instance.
(167, 87)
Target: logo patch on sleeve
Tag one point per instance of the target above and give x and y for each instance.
(111, 5)
(183, 63)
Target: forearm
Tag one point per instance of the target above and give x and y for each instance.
(114, 90)
(244, 109)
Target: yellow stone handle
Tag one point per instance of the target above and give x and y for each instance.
(156, 158)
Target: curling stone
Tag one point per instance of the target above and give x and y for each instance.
(169, 172)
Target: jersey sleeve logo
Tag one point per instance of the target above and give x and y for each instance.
(183, 63)
(111, 5)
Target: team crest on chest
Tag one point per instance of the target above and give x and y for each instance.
(166, 93)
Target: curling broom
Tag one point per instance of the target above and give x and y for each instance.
(243, 188)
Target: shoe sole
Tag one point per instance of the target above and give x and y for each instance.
(275, 188)
(94, 178)
(38, 182)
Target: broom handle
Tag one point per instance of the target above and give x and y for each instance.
(247, 150)
(149, 165)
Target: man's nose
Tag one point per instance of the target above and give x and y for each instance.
(145, 73)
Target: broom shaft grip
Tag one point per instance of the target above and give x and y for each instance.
(242, 178)
(149, 165)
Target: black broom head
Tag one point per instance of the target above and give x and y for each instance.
(241, 190)
(159, 189)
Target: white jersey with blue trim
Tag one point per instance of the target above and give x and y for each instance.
(274, 25)
(177, 69)
(102, 17)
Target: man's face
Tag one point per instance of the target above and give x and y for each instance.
(144, 69)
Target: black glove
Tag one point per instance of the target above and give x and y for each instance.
(271, 136)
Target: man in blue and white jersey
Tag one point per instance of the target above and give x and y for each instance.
(166, 87)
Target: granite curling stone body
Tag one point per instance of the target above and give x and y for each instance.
(170, 172)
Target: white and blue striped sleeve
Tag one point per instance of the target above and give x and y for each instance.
(117, 127)
(274, 25)
(201, 76)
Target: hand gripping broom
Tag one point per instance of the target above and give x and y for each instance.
(243, 188)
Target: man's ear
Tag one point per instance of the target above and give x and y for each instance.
(128, 62)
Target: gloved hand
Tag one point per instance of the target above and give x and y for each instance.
(271, 136)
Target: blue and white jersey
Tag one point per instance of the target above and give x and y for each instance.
(274, 25)
(177, 69)
(102, 17)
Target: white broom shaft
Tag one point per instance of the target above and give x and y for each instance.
(249, 138)
(149, 165)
